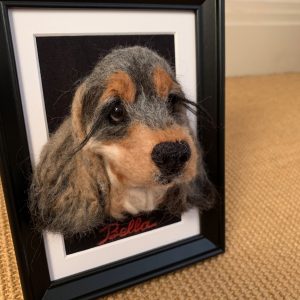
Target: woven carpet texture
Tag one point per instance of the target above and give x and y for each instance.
(262, 259)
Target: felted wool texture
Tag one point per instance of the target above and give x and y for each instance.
(262, 258)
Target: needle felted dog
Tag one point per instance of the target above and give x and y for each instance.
(126, 148)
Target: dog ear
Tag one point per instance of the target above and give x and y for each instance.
(79, 132)
(69, 189)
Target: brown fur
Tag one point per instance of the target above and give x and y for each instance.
(76, 112)
(163, 82)
(119, 84)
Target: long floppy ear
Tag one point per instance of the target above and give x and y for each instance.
(69, 189)
(78, 130)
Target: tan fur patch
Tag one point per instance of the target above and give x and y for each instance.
(76, 113)
(119, 84)
(163, 82)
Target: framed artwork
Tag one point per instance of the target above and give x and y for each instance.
(45, 49)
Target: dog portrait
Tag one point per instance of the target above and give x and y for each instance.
(113, 139)
(126, 147)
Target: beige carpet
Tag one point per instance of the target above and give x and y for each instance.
(262, 260)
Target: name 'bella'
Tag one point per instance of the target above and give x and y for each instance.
(116, 230)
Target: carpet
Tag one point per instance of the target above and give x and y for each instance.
(262, 259)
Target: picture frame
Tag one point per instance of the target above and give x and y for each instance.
(16, 158)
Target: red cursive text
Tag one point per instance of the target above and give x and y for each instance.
(116, 230)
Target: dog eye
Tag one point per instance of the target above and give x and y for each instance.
(117, 113)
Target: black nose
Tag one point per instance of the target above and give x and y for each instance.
(170, 157)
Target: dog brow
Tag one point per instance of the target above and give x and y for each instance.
(163, 82)
(119, 84)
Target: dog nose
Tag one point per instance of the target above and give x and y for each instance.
(170, 157)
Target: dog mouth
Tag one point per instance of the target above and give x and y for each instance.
(165, 179)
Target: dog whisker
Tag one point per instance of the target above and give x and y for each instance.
(200, 111)
(87, 138)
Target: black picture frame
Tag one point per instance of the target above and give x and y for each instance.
(16, 167)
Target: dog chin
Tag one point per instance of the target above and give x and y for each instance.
(171, 179)
(167, 179)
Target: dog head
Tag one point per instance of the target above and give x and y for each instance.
(129, 113)
(130, 109)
